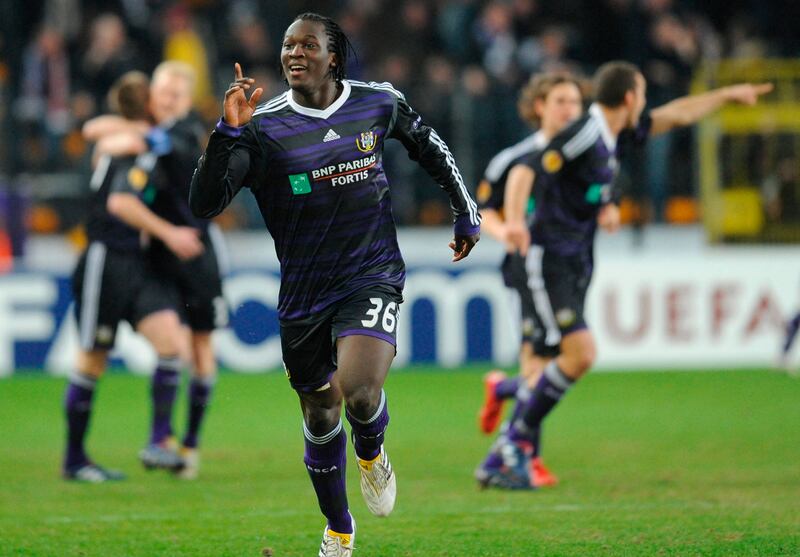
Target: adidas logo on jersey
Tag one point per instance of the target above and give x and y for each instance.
(330, 136)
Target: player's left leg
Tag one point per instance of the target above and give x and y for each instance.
(163, 330)
(497, 386)
(577, 356)
(363, 366)
(203, 378)
(532, 368)
(504, 465)
(200, 284)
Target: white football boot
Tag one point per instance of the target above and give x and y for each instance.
(378, 483)
(335, 544)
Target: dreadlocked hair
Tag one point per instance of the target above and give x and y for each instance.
(338, 43)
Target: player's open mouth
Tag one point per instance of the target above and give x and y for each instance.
(295, 70)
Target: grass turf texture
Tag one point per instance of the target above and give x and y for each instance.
(650, 464)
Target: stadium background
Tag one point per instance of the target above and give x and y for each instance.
(703, 276)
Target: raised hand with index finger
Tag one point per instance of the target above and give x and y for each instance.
(237, 108)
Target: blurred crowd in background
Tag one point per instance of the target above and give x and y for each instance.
(459, 62)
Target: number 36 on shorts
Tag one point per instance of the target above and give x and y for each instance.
(385, 314)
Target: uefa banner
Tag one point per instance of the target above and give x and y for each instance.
(649, 308)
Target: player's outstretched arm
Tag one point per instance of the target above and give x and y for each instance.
(519, 185)
(101, 126)
(121, 144)
(222, 169)
(685, 111)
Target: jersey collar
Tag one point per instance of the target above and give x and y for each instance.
(326, 113)
(539, 140)
(605, 131)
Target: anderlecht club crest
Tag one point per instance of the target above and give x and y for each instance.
(366, 142)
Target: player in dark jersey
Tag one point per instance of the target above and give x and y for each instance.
(179, 137)
(199, 280)
(573, 193)
(549, 102)
(113, 281)
(312, 157)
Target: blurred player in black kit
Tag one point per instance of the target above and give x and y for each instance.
(178, 136)
(115, 281)
(312, 157)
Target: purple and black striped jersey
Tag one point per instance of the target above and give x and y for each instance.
(130, 174)
(575, 176)
(319, 181)
(492, 188)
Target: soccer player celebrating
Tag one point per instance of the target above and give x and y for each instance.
(549, 101)
(312, 158)
(573, 193)
(114, 281)
(178, 137)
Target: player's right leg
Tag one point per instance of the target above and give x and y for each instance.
(326, 459)
(100, 303)
(309, 361)
(78, 409)
(163, 329)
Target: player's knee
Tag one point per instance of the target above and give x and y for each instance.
(320, 421)
(205, 365)
(362, 402)
(164, 332)
(585, 357)
(93, 362)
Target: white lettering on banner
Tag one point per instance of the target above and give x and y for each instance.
(727, 311)
(26, 302)
(723, 309)
(232, 351)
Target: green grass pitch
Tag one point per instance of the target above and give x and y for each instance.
(650, 464)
